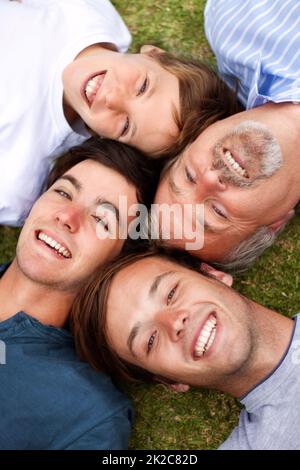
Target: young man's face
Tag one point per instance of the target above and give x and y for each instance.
(170, 316)
(126, 97)
(227, 169)
(74, 216)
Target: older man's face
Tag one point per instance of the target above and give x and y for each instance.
(228, 169)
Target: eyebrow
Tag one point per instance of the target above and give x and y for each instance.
(152, 291)
(99, 201)
(156, 283)
(74, 181)
(110, 206)
(132, 337)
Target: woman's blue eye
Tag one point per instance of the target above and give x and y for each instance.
(190, 178)
(125, 128)
(151, 341)
(143, 87)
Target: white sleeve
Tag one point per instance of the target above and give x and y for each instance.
(91, 17)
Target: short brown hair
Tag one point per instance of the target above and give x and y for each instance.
(204, 98)
(88, 315)
(128, 161)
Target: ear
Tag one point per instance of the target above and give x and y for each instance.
(150, 50)
(179, 387)
(220, 275)
(172, 385)
(279, 224)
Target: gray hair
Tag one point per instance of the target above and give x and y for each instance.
(244, 255)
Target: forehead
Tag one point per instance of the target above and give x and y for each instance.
(165, 99)
(137, 278)
(129, 301)
(87, 169)
(94, 177)
(137, 273)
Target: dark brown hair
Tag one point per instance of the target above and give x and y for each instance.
(128, 161)
(88, 315)
(204, 99)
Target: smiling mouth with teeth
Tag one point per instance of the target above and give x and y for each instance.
(92, 86)
(231, 161)
(206, 336)
(60, 249)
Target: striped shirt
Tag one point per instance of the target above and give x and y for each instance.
(258, 43)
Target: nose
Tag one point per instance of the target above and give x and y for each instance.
(115, 99)
(69, 218)
(210, 182)
(174, 322)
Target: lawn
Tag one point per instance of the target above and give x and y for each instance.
(197, 419)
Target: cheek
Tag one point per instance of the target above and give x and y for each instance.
(127, 71)
(102, 251)
(162, 195)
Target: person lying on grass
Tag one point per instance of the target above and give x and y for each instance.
(245, 172)
(49, 399)
(77, 79)
(154, 317)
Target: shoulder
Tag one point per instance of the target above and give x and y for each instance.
(98, 414)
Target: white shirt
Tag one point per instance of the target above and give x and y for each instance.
(38, 38)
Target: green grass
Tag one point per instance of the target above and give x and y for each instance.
(197, 419)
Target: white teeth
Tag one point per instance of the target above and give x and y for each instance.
(92, 87)
(206, 336)
(234, 163)
(54, 244)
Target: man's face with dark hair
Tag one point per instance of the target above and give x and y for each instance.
(177, 323)
(67, 233)
(233, 168)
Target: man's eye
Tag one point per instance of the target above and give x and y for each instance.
(171, 294)
(189, 177)
(151, 342)
(102, 222)
(125, 128)
(143, 87)
(218, 211)
(63, 193)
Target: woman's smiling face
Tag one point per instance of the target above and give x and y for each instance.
(126, 97)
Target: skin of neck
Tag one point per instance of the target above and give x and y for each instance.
(19, 293)
(271, 336)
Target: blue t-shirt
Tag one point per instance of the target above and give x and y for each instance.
(49, 399)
